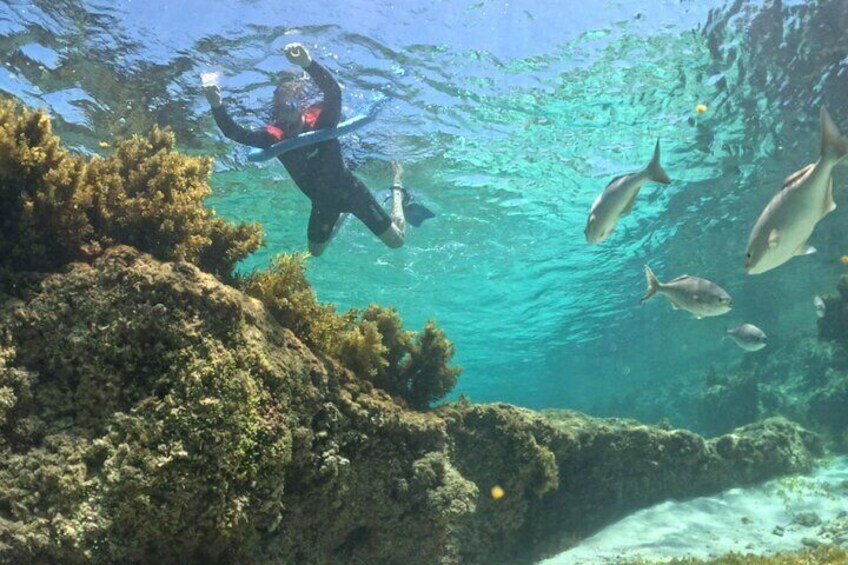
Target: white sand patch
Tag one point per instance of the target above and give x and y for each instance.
(783, 514)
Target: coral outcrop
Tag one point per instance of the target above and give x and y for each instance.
(155, 414)
(59, 207)
(152, 413)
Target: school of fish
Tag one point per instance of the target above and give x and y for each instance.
(781, 232)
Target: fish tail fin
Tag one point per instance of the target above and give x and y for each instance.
(653, 284)
(655, 171)
(833, 145)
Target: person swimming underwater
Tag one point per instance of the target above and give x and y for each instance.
(318, 170)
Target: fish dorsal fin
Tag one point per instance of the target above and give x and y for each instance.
(791, 179)
(615, 180)
(680, 278)
(829, 204)
(774, 238)
(629, 206)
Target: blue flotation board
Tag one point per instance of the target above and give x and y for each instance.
(316, 136)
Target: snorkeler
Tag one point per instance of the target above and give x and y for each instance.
(318, 170)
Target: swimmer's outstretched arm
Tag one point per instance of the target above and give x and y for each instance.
(254, 138)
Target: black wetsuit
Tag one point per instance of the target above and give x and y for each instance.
(318, 170)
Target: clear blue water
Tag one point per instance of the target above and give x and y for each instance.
(510, 118)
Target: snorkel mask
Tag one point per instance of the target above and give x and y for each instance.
(286, 112)
(285, 107)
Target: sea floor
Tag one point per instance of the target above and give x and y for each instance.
(784, 514)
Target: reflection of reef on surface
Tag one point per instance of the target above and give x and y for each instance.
(151, 411)
(776, 62)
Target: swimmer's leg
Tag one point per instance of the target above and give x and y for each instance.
(323, 225)
(389, 228)
(395, 234)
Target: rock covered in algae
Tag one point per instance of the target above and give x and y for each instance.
(58, 206)
(565, 474)
(152, 413)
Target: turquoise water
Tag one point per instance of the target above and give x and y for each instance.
(509, 119)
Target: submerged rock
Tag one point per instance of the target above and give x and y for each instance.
(151, 413)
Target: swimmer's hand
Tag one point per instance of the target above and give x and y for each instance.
(298, 54)
(213, 94)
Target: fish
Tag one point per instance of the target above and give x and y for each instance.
(413, 212)
(617, 199)
(785, 225)
(748, 336)
(699, 296)
(818, 303)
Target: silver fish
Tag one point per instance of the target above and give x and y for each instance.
(819, 305)
(698, 296)
(748, 336)
(617, 198)
(785, 225)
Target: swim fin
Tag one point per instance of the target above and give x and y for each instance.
(414, 212)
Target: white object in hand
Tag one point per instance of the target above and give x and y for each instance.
(209, 79)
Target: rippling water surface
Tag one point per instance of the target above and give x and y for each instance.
(510, 118)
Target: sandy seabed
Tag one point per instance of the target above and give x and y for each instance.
(783, 514)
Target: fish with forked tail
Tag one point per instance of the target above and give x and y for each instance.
(696, 295)
(414, 212)
(785, 225)
(617, 198)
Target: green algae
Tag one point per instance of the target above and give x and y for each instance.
(414, 368)
(59, 207)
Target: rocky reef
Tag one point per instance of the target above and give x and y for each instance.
(805, 379)
(155, 406)
(152, 412)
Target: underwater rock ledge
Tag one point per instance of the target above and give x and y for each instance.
(151, 413)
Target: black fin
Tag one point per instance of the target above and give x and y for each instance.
(416, 213)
